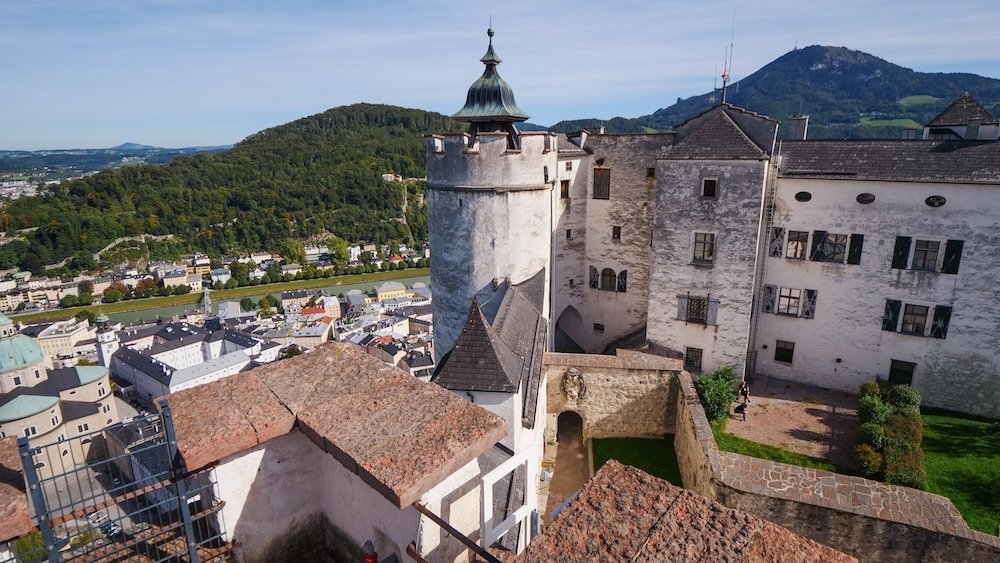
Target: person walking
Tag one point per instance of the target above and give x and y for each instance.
(745, 392)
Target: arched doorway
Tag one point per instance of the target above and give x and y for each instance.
(571, 470)
(569, 329)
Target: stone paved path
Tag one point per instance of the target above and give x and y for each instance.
(801, 418)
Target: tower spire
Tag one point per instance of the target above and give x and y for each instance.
(489, 104)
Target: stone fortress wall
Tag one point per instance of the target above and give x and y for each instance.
(635, 394)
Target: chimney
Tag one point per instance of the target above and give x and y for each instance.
(798, 127)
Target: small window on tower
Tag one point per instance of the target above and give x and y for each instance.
(569, 166)
(599, 328)
(650, 173)
(616, 233)
(709, 187)
(564, 189)
(569, 234)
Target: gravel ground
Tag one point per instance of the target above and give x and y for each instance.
(801, 418)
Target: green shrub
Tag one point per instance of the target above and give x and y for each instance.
(872, 434)
(871, 388)
(904, 459)
(905, 400)
(869, 460)
(717, 392)
(872, 409)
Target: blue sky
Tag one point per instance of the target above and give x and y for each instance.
(205, 72)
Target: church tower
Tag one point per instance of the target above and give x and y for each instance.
(107, 341)
(489, 206)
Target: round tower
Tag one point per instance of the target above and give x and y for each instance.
(489, 208)
(107, 341)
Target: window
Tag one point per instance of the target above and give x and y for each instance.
(692, 359)
(107, 408)
(569, 166)
(783, 351)
(609, 280)
(569, 234)
(602, 183)
(709, 187)
(564, 189)
(829, 247)
(55, 420)
(30, 431)
(798, 241)
(82, 427)
(545, 174)
(650, 173)
(100, 392)
(17, 381)
(623, 281)
(595, 280)
(901, 373)
(701, 309)
(697, 309)
(616, 233)
(704, 247)
(914, 319)
(926, 254)
(599, 328)
(788, 301)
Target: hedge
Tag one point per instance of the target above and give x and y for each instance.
(871, 388)
(872, 409)
(869, 460)
(904, 459)
(905, 400)
(872, 434)
(717, 392)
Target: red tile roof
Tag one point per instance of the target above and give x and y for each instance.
(624, 514)
(14, 518)
(401, 435)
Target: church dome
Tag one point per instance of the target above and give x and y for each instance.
(490, 98)
(17, 351)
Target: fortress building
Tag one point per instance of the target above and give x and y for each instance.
(825, 262)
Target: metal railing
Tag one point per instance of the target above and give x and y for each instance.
(119, 494)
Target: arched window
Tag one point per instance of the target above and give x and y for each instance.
(608, 279)
(623, 281)
(594, 280)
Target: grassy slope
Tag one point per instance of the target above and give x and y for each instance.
(729, 443)
(154, 302)
(653, 455)
(963, 463)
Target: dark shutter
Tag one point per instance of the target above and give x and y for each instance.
(854, 252)
(682, 307)
(901, 253)
(809, 304)
(713, 312)
(623, 281)
(770, 295)
(594, 279)
(952, 256)
(777, 242)
(602, 183)
(891, 318)
(939, 326)
(817, 254)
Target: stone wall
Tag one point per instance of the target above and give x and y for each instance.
(625, 395)
(870, 520)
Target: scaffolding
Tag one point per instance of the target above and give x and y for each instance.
(119, 494)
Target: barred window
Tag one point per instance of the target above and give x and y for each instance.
(602, 183)
(692, 359)
(697, 309)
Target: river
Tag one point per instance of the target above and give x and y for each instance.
(334, 289)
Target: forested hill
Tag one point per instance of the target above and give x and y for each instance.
(318, 174)
(846, 93)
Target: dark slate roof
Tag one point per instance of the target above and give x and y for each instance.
(505, 355)
(294, 294)
(73, 410)
(480, 361)
(239, 339)
(177, 331)
(567, 146)
(976, 162)
(963, 111)
(144, 364)
(717, 138)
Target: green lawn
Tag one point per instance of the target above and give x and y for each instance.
(729, 443)
(653, 455)
(905, 123)
(195, 297)
(917, 100)
(962, 455)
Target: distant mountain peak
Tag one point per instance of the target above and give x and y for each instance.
(132, 147)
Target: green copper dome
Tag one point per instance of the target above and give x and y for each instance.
(490, 98)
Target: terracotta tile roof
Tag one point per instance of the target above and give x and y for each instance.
(898, 160)
(401, 435)
(717, 138)
(624, 514)
(14, 518)
(963, 111)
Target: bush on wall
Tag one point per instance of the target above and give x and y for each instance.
(905, 400)
(904, 459)
(872, 409)
(869, 460)
(717, 392)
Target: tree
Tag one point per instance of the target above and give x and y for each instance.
(85, 299)
(338, 249)
(91, 317)
(268, 301)
(231, 283)
(247, 304)
(182, 289)
(69, 301)
(86, 286)
(112, 295)
(293, 251)
(240, 270)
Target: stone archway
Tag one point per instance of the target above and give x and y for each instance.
(569, 331)
(571, 470)
(569, 428)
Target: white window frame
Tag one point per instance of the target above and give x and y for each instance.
(695, 243)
